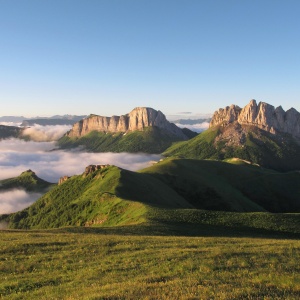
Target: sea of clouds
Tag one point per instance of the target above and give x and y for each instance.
(15, 200)
(16, 124)
(195, 127)
(49, 163)
(41, 156)
(40, 133)
(46, 133)
(18, 155)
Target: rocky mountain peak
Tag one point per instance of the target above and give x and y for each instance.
(137, 120)
(228, 115)
(261, 115)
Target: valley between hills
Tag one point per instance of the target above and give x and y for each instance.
(220, 210)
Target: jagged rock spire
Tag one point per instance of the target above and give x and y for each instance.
(262, 115)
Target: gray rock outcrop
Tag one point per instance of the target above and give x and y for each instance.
(262, 115)
(138, 119)
(92, 168)
(229, 114)
(63, 179)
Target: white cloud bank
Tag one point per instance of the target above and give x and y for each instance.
(17, 156)
(15, 200)
(195, 127)
(16, 124)
(46, 133)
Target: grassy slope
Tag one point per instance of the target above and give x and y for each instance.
(28, 181)
(278, 152)
(151, 140)
(62, 265)
(107, 197)
(115, 197)
(223, 186)
(200, 146)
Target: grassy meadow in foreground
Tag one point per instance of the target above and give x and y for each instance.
(59, 264)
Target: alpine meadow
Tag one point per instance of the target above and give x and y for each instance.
(135, 162)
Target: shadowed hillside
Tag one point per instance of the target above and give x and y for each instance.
(240, 187)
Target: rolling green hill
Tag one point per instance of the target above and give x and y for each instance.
(278, 152)
(187, 194)
(110, 196)
(27, 181)
(151, 140)
(216, 185)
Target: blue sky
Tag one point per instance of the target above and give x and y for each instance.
(107, 57)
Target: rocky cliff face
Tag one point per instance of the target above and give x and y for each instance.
(137, 119)
(262, 115)
(226, 115)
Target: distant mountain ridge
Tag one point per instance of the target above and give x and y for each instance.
(137, 120)
(48, 122)
(262, 115)
(191, 121)
(12, 118)
(10, 132)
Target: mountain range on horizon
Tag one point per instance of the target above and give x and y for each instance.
(239, 164)
(258, 133)
(57, 117)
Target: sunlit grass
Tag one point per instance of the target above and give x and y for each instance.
(59, 265)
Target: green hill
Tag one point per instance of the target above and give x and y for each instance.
(151, 140)
(278, 152)
(27, 181)
(110, 197)
(187, 194)
(216, 185)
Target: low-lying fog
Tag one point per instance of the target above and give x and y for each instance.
(46, 133)
(17, 156)
(15, 200)
(195, 127)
